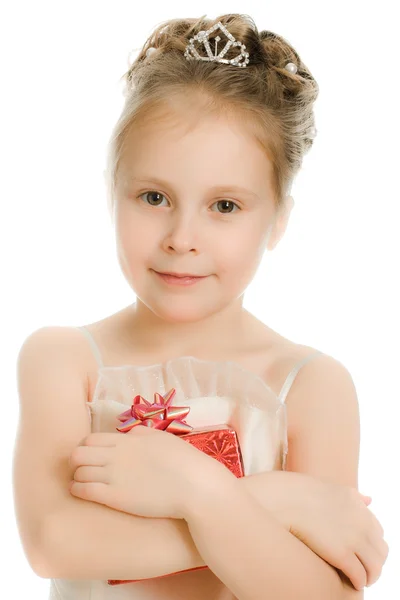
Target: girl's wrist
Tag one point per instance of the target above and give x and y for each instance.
(214, 486)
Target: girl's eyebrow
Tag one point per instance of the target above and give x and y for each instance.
(216, 188)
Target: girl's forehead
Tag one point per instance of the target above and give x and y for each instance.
(212, 145)
(207, 132)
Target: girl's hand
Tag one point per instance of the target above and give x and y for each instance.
(145, 472)
(334, 521)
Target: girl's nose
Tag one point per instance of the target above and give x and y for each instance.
(181, 236)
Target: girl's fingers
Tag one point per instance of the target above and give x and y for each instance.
(366, 499)
(87, 474)
(349, 565)
(380, 546)
(355, 571)
(371, 559)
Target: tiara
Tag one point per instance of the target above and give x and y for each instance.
(191, 52)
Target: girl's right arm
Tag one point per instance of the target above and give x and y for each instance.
(64, 536)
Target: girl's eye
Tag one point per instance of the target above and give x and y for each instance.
(226, 205)
(153, 196)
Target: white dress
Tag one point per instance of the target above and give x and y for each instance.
(217, 393)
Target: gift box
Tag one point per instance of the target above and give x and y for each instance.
(218, 441)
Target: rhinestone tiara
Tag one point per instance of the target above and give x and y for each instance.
(202, 37)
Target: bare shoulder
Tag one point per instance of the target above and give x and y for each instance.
(55, 342)
(319, 373)
(63, 338)
(319, 368)
(317, 379)
(323, 382)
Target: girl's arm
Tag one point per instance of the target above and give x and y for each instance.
(243, 544)
(252, 553)
(101, 543)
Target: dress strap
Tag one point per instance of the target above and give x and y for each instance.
(95, 347)
(291, 377)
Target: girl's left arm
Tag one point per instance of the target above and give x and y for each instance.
(253, 554)
(249, 550)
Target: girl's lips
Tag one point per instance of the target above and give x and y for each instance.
(179, 274)
(182, 281)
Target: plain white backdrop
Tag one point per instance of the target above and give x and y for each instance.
(331, 282)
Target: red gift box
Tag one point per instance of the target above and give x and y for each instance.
(219, 441)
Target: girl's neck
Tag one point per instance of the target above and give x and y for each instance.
(225, 331)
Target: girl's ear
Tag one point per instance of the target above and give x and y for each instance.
(281, 222)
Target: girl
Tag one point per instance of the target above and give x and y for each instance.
(217, 119)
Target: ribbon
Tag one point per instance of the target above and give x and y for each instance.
(159, 415)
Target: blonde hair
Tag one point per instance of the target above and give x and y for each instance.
(276, 104)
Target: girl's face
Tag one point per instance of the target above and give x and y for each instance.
(179, 209)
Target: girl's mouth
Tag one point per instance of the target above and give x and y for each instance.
(180, 281)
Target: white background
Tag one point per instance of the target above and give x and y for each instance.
(331, 282)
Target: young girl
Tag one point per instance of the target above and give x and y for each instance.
(217, 119)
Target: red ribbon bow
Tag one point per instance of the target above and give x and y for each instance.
(159, 415)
